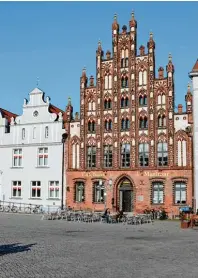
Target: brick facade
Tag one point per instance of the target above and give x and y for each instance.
(128, 134)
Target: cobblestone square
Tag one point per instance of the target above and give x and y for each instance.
(30, 247)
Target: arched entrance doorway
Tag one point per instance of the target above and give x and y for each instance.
(125, 195)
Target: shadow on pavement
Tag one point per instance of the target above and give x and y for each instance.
(14, 248)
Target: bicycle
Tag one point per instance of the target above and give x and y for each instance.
(12, 208)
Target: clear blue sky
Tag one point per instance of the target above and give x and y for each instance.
(55, 40)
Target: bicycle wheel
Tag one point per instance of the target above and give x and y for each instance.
(27, 210)
(1, 208)
(7, 209)
(14, 209)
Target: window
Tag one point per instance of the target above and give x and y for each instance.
(142, 100)
(161, 121)
(108, 82)
(108, 125)
(124, 63)
(125, 124)
(108, 156)
(91, 126)
(35, 189)
(16, 189)
(143, 123)
(17, 158)
(54, 189)
(23, 133)
(180, 192)
(42, 157)
(144, 154)
(91, 157)
(124, 102)
(161, 99)
(125, 155)
(107, 104)
(181, 153)
(7, 127)
(79, 192)
(124, 82)
(98, 193)
(162, 153)
(46, 132)
(158, 193)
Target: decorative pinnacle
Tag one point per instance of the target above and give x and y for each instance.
(115, 17)
(170, 57)
(151, 35)
(69, 100)
(132, 15)
(99, 43)
(189, 87)
(37, 82)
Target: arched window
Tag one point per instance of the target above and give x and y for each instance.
(143, 122)
(141, 102)
(124, 58)
(75, 156)
(107, 104)
(108, 124)
(145, 77)
(46, 132)
(159, 99)
(162, 154)
(125, 124)
(124, 102)
(181, 153)
(124, 82)
(161, 121)
(91, 126)
(163, 99)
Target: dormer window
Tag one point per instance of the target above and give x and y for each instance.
(23, 133)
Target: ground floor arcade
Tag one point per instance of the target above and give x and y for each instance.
(130, 191)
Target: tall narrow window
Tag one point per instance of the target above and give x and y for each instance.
(91, 157)
(125, 155)
(91, 126)
(108, 156)
(79, 192)
(17, 158)
(145, 77)
(108, 125)
(143, 123)
(35, 189)
(46, 132)
(23, 133)
(125, 124)
(124, 82)
(162, 154)
(42, 157)
(158, 193)
(54, 189)
(107, 104)
(16, 189)
(140, 78)
(143, 154)
(98, 192)
(180, 192)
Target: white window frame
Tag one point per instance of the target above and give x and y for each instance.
(18, 154)
(54, 186)
(18, 186)
(37, 186)
(180, 193)
(42, 154)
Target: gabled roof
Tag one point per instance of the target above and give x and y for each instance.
(36, 91)
(195, 68)
(54, 109)
(7, 114)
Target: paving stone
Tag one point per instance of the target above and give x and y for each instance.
(32, 248)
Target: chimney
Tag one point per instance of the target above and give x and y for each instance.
(91, 81)
(160, 73)
(180, 108)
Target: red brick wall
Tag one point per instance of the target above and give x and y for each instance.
(141, 186)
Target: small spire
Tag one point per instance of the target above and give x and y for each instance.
(132, 15)
(115, 17)
(99, 43)
(151, 35)
(170, 57)
(188, 87)
(69, 100)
